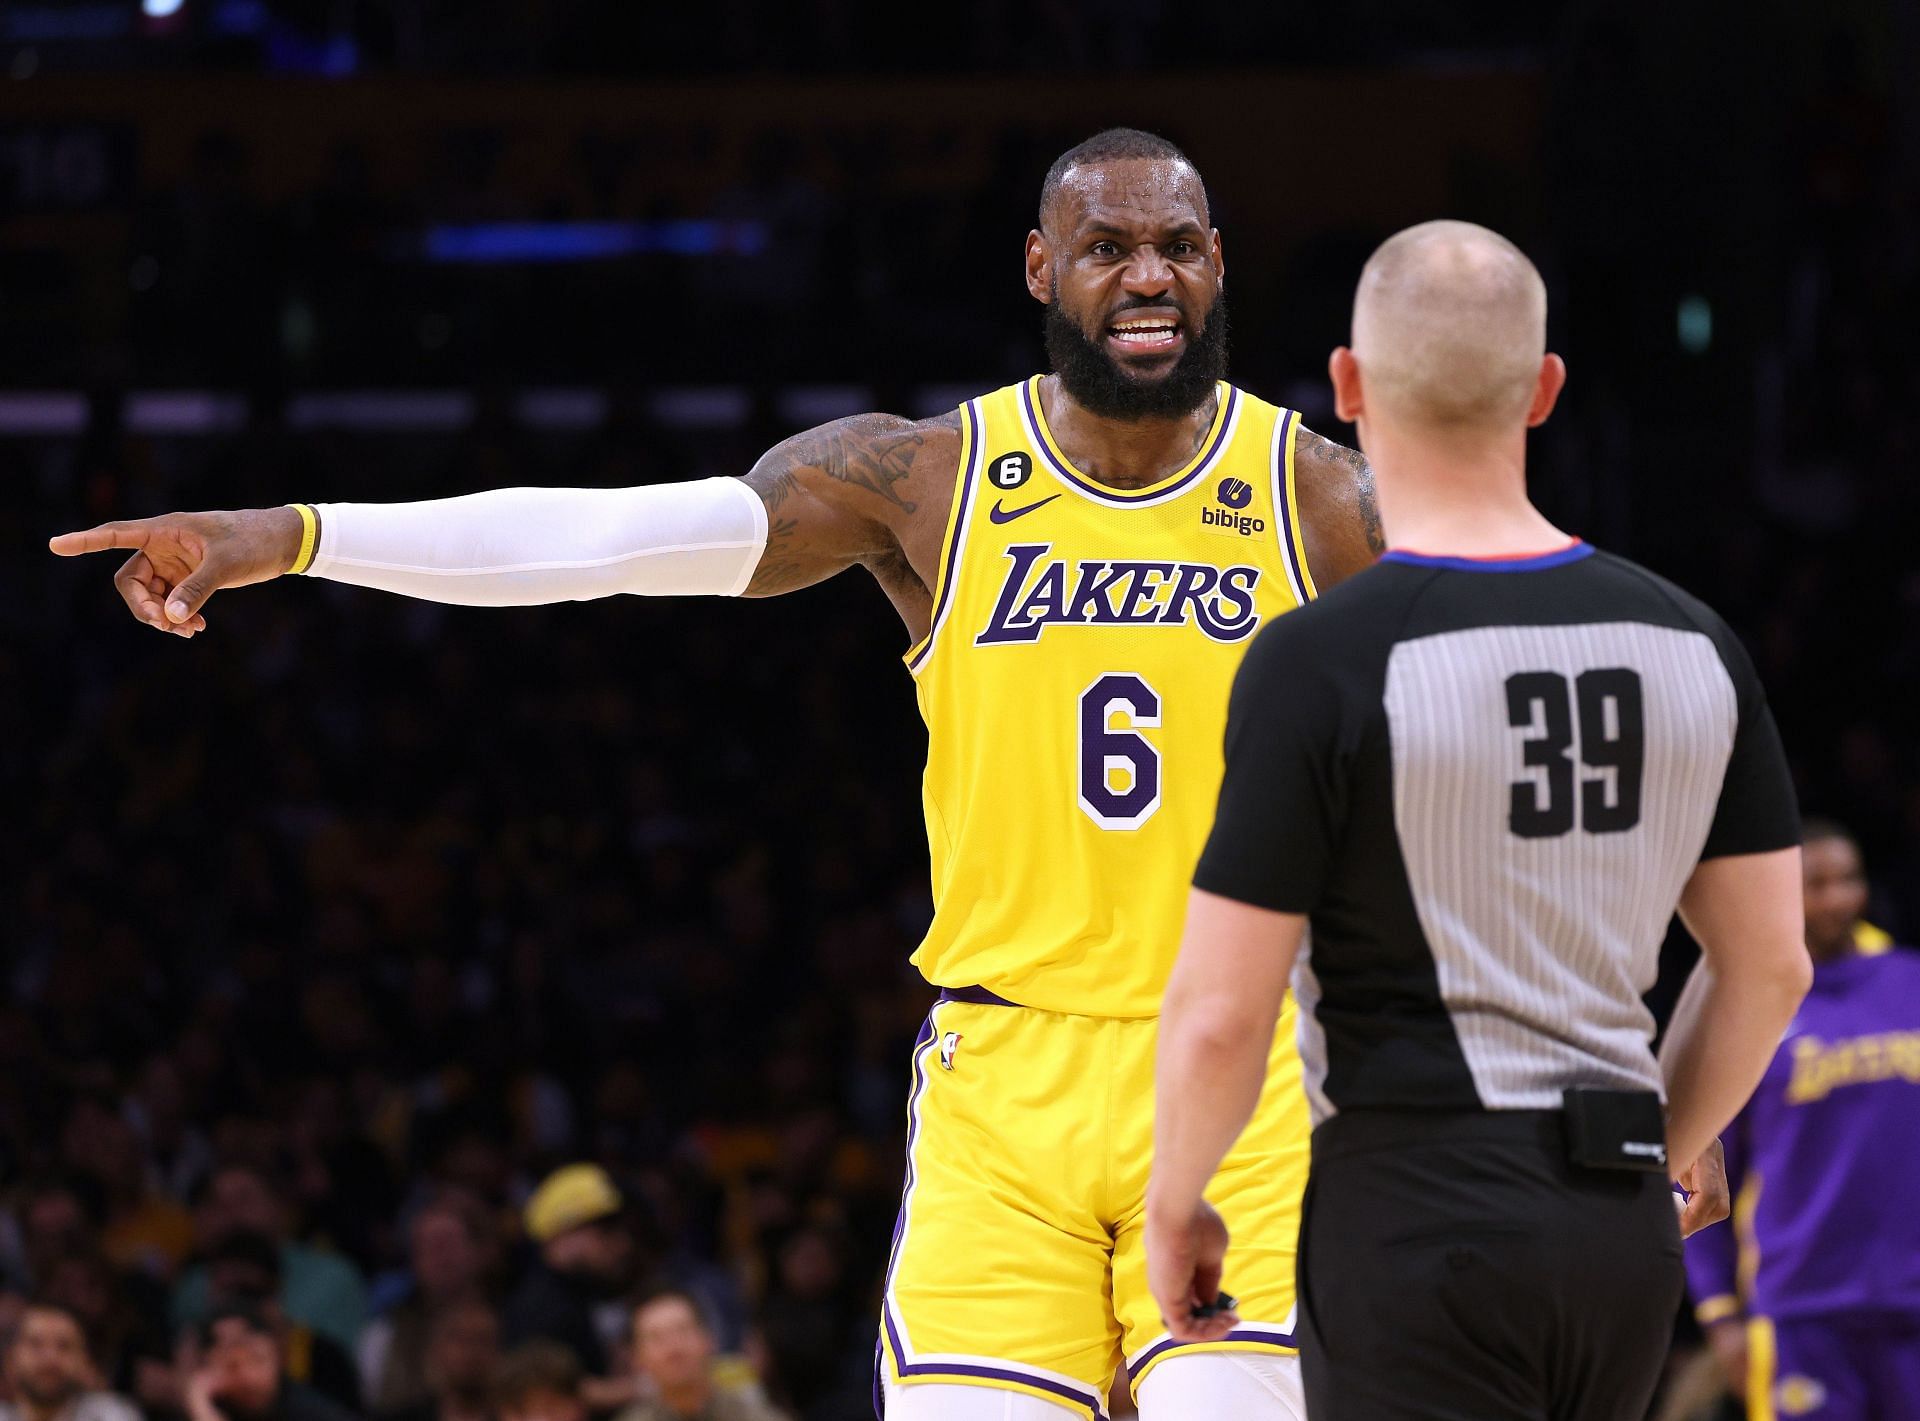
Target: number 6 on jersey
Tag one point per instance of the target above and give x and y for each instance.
(1119, 768)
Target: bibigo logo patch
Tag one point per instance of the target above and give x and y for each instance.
(1234, 495)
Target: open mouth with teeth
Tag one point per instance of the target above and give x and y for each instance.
(1146, 333)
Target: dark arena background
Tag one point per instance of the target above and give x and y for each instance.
(327, 940)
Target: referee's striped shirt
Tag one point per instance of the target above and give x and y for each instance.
(1486, 783)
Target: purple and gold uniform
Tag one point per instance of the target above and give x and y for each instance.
(1824, 1253)
(1075, 686)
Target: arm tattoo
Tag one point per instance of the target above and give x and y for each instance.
(817, 523)
(854, 453)
(775, 487)
(1369, 505)
(1362, 474)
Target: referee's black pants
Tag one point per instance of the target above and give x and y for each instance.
(1456, 1267)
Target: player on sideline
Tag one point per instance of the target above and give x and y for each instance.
(1080, 560)
(1813, 1307)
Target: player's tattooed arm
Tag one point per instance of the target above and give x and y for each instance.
(1339, 514)
(854, 491)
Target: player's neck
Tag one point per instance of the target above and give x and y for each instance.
(1452, 494)
(1123, 453)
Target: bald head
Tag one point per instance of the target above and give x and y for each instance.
(1450, 326)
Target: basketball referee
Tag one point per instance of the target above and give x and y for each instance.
(1484, 773)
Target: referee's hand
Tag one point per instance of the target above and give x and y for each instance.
(1183, 1271)
(1708, 1198)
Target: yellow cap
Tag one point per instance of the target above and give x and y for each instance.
(573, 1195)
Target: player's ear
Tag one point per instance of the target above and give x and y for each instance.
(1546, 389)
(1345, 372)
(1039, 268)
(1219, 259)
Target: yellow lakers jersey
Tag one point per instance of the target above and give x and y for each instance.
(1074, 683)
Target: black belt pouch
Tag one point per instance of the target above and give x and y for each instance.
(1616, 1129)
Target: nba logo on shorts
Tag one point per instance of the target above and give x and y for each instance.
(1797, 1395)
(949, 1044)
(1235, 493)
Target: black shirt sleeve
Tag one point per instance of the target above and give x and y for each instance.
(1283, 799)
(1758, 812)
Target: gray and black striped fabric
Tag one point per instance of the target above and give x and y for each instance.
(1487, 785)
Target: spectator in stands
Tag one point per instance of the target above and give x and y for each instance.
(240, 1374)
(574, 1219)
(319, 1289)
(462, 1352)
(673, 1352)
(57, 1218)
(178, 1155)
(50, 1374)
(812, 1320)
(538, 1381)
(141, 1227)
(451, 1252)
(122, 1314)
(1827, 1315)
(244, 1269)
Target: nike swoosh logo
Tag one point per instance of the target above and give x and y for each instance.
(1001, 514)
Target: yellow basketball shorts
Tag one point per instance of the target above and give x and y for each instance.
(1018, 1260)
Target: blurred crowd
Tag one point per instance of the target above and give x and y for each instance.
(265, 1327)
(325, 949)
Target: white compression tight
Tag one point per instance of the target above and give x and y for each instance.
(940, 1401)
(1207, 1386)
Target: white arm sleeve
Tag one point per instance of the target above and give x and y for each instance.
(516, 547)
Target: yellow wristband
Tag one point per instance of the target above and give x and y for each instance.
(1723, 1308)
(309, 537)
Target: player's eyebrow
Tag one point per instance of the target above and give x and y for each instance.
(1184, 227)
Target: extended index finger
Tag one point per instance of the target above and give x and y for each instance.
(124, 534)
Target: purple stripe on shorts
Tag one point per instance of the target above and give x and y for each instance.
(921, 1043)
(1067, 472)
(1272, 1337)
(924, 1040)
(1079, 1396)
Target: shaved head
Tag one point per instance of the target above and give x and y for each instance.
(1450, 326)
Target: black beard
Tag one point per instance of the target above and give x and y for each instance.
(1098, 384)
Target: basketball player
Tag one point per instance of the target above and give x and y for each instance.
(1080, 560)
